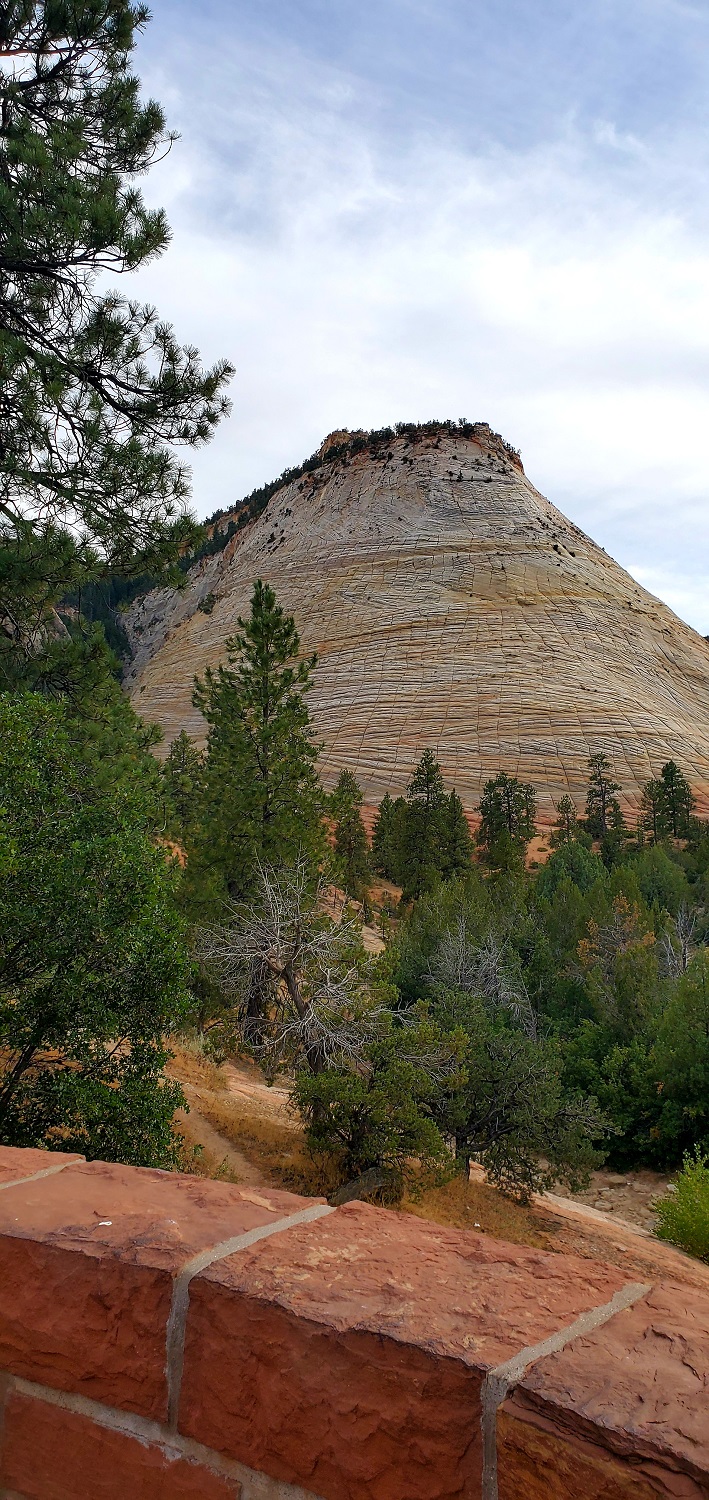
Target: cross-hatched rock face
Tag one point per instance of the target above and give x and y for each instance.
(451, 606)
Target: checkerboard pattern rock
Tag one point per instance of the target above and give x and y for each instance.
(452, 607)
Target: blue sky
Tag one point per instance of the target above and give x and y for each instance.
(496, 209)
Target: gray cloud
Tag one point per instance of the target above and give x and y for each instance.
(367, 254)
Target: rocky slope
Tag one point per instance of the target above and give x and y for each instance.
(451, 606)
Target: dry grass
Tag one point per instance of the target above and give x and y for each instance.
(198, 1161)
(188, 1065)
(280, 1153)
(475, 1205)
(278, 1150)
(276, 1147)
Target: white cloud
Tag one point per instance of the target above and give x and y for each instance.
(357, 279)
(605, 133)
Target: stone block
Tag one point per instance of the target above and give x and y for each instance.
(87, 1263)
(18, 1162)
(536, 1463)
(635, 1390)
(347, 1356)
(51, 1454)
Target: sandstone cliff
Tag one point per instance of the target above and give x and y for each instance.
(451, 606)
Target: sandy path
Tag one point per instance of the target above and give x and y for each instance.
(271, 1103)
(199, 1132)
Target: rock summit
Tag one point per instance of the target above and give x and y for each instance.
(451, 607)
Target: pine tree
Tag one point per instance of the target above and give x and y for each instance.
(183, 774)
(422, 854)
(529, 826)
(426, 787)
(602, 805)
(351, 848)
(388, 837)
(507, 810)
(678, 799)
(614, 838)
(566, 821)
(456, 839)
(653, 810)
(94, 970)
(80, 672)
(382, 852)
(262, 799)
(96, 390)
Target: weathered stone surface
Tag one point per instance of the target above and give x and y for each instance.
(348, 1358)
(87, 1261)
(453, 607)
(17, 1162)
(51, 1454)
(341, 1357)
(537, 1463)
(638, 1387)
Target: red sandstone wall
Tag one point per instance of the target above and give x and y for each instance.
(168, 1338)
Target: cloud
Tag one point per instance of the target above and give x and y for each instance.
(359, 273)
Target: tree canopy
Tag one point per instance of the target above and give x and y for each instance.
(426, 835)
(507, 818)
(95, 389)
(262, 802)
(183, 785)
(602, 805)
(93, 968)
(351, 847)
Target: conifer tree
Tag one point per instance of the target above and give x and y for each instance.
(653, 810)
(602, 805)
(566, 821)
(388, 837)
(614, 838)
(678, 799)
(262, 798)
(351, 848)
(422, 855)
(96, 390)
(456, 838)
(382, 854)
(508, 810)
(426, 787)
(183, 774)
(94, 971)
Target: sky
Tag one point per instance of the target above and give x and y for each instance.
(392, 210)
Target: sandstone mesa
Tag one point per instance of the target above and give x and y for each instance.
(451, 607)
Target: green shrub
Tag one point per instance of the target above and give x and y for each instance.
(93, 965)
(684, 1216)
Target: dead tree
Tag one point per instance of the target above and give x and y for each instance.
(296, 981)
(487, 969)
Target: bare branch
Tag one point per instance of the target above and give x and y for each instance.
(677, 941)
(299, 999)
(487, 970)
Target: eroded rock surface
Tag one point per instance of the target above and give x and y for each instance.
(637, 1389)
(451, 606)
